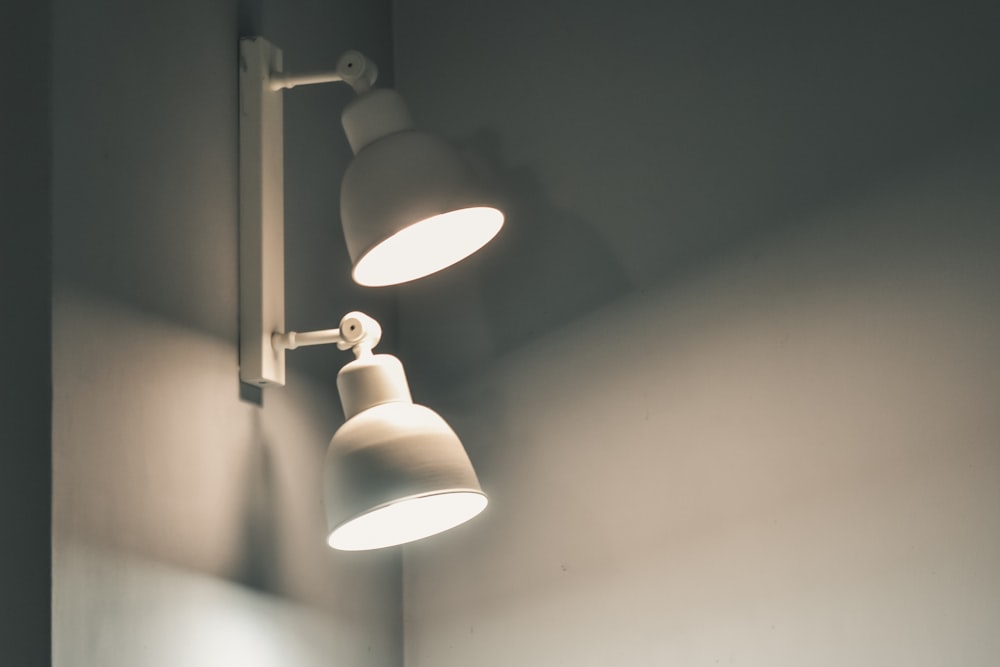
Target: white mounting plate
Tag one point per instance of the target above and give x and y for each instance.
(262, 215)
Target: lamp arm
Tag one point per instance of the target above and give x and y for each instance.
(291, 340)
(358, 332)
(353, 68)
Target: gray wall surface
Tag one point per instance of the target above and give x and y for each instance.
(731, 374)
(790, 456)
(633, 140)
(188, 525)
(25, 301)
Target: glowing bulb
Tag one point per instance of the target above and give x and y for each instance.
(407, 520)
(428, 246)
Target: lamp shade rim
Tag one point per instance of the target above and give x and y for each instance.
(337, 540)
(427, 246)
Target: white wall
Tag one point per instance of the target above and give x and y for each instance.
(187, 513)
(788, 456)
(631, 139)
(188, 525)
(730, 374)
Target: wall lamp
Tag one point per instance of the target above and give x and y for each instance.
(410, 206)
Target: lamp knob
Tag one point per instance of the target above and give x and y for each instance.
(357, 71)
(359, 332)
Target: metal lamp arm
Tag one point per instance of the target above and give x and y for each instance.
(353, 68)
(358, 332)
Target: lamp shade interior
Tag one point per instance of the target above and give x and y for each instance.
(411, 205)
(407, 520)
(427, 246)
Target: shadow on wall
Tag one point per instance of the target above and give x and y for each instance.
(923, 232)
(154, 459)
(155, 456)
(641, 140)
(802, 429)
(562, 260)
(551, 266)
(548, 265)
(257, 565)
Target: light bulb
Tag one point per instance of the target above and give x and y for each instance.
(407, 520)
(428, 246)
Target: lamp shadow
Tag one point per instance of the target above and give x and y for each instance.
(257, 564)
(455, 321)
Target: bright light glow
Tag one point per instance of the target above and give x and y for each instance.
(428, 246)
(406, 520)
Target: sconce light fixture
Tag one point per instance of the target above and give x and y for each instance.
(410, 206)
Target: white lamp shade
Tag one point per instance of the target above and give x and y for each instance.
(395, 471)
(411, 206)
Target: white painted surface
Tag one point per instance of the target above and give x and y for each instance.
(150, 613)
(634, 139)
(789, 455)
(730, 373)
(186, 521)
(188, 524)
